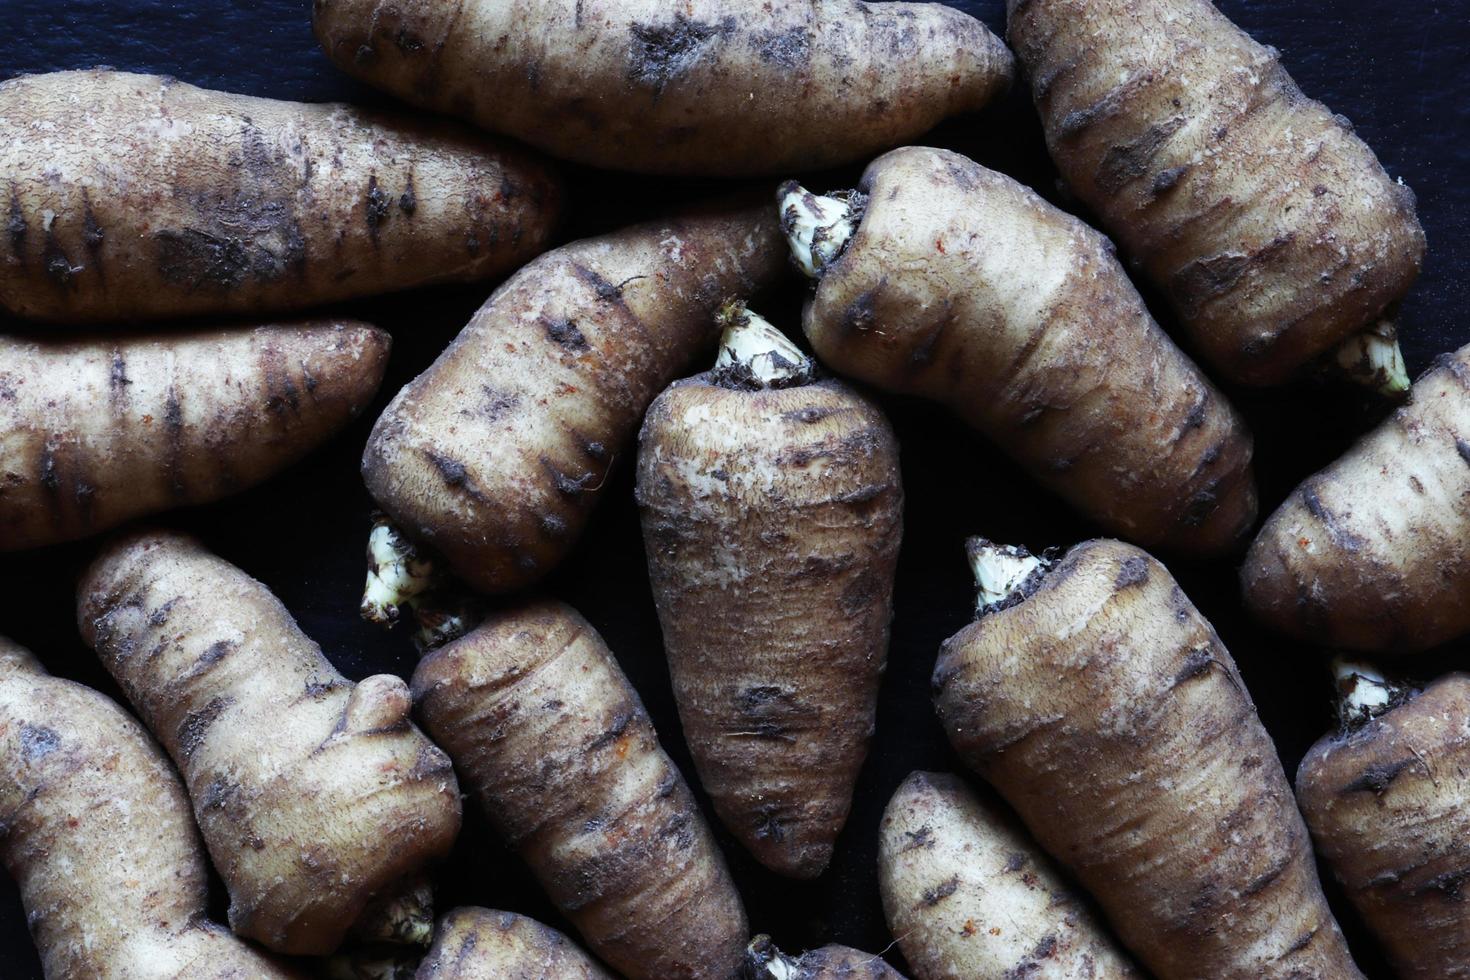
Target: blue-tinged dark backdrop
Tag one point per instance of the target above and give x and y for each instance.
(1397, 71)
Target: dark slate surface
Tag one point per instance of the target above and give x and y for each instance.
(1397, 75)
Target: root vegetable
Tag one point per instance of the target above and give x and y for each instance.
(495, 456)
(772, 512)
(556, 745)
(315, 795)
(714, 87)
(96, 432)
(942, 279)
(1107, 712)
(96, 831)
(1388, 802)
(763, 961)
(478, 944)
(1271, 228)
(969, 894)
(136, 196)
(1373, 553)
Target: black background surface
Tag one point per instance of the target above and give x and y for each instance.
(1395, 70)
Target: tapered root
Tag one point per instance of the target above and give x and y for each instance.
(1374, 360)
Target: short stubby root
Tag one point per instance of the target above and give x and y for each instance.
(754, 354)
(1005, 575)
(1374, 360)
(397, 573)
(816, 226)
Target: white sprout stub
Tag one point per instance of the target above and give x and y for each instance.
(396, 574)
(1365, 692)
(816, 227)
(752, 345)
(1374, 359)
(1002, 571)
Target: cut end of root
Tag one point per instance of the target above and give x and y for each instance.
(444, 617)
(397, 573)
(404, 917)
(1005, 575)
(375, 964)
(754, 354)
(816, 226)
(1374, 360)
(763, 961)
(1364, 692)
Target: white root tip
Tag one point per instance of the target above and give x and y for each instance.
(1364, 692)
(396, 574)
(766, 962)
(1003, 573)
(817, 227)
(755, 352)
(1374, 360)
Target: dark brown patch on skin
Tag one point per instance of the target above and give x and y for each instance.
(1449, 884)
(452, 471)
(1166, 180)
(809, 415)
(56, 261)
(1127, 162)
(920, 839)
(1463, 448)
(769, 824)
(1134, 571)
(316, 688)
(862, 311)
(244, 239)
(565, 333)
(92, 236)
(1341, 536)
(1015, 862)
(196, 725)
(173, 423)
(213, 654)
(16, 225)
(1301, 943)
(553, 527)
(566, 485)
(1376, 778)
(50, 478)
(218, 794)
(37, 742)
(407, 202)
(1196, 664)
(791, 49)
(662, 52)
(118, 377)
(496, 403)
(1263, 881)
(1209, 278)
(375, 206)
(939, 893)
(620, 723)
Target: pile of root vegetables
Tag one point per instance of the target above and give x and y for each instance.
(170, 262)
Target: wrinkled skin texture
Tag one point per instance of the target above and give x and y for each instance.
(1019, 318)
(1373, 553)
(496, 455)
(94, 432)
(480, 944)
(554, 742)
(1107, 712)
(667, 88)
(1272, 230)
(1389, 809)
(772, 520)
(131, 197)
(314, 795)
(95, 829)
(969, 894)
